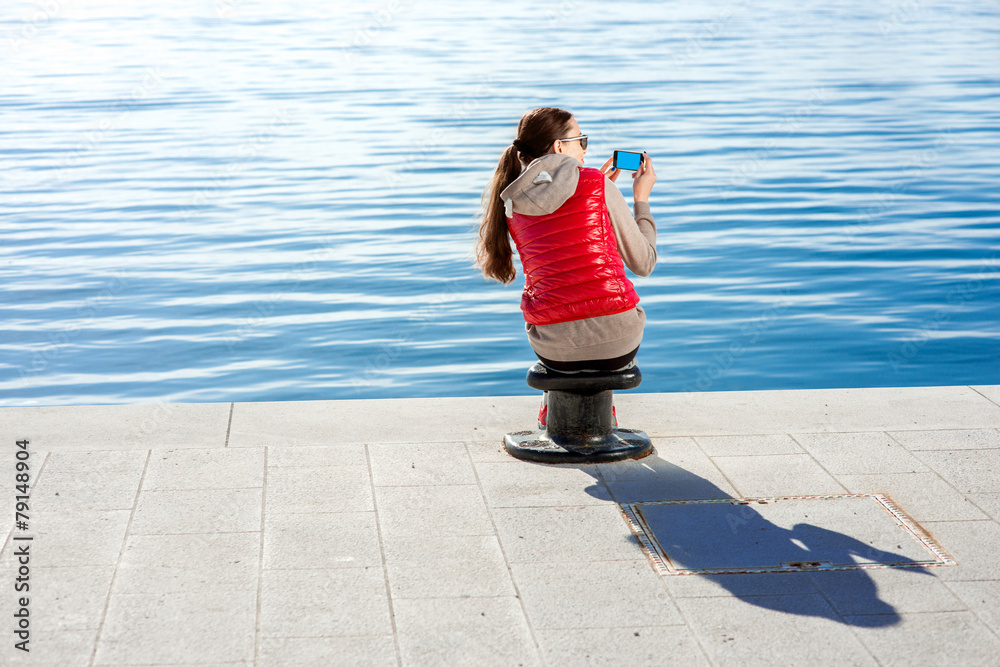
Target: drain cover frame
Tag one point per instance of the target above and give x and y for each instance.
(664, 565)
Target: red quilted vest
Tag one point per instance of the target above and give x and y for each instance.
(572, 269)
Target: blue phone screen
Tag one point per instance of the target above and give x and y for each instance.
(627, 160)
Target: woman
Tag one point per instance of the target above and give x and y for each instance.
(573, 231)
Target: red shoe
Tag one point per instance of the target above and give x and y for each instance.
(614, 416)
(543, 412)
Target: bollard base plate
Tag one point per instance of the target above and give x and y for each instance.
(537, 446)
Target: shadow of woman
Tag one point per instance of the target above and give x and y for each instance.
(729, 543)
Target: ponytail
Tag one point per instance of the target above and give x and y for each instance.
(535, 133)
(493, 252)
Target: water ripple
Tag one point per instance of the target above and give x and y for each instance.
(237, 201)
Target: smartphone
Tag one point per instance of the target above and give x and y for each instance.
(627, 160)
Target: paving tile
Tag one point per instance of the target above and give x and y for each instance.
(118, 427)
(594, 594)
(636, 645)
(478, 631)
(973, 544)
(566, 534)
(327, 489)
(197, 511)
(214, 626)
(969, 471)
(946, 638)
(60, 648)
(218, 468)
(988, 502)
(949, 439)
(321, 541)
(92, 490)
(809, 411)
(324, 603)
(280, 456)
(748, 445)
(373, 651)
(677, 470)
(477, 570)
(186, 563)
(859, 453)
(481, 419)
(60, 599)
(430, 546)
(71, 462)
(924, 496)
(980, 597)
(522, 484)
(70, 539)
(888, 591)
(421, 464)
(432, 510)
(770, 629)
(777, 475)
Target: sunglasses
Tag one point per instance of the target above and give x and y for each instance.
(582, 138)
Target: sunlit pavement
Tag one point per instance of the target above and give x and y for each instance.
(398, 532)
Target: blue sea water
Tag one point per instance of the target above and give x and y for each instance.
(235, 200)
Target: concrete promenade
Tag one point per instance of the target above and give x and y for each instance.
(398, 532)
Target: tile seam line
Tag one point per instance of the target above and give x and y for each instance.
(34, 484)
(229, 426)
(260, 553)
(748, 456)
(983, 395)
(921, 613)
(891, 430)
(824, 468)
(204, 532)
(121, 552)
(503, 552)
(381, 549)
(946, 429)
(556, 507)
(711, 459)
(738, 434)
(418, 486)
(952, 449)
(947, 482)
(205, 488)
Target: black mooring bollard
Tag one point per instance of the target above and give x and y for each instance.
(580, 427)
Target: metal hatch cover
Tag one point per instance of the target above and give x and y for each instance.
(782, 534)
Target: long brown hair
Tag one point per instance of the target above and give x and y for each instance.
(535, 133)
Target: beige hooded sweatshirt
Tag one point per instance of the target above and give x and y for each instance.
(542, 188)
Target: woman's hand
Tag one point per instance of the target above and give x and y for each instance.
(643, 179)
(613, 173)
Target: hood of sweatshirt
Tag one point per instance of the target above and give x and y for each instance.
(543, 186)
